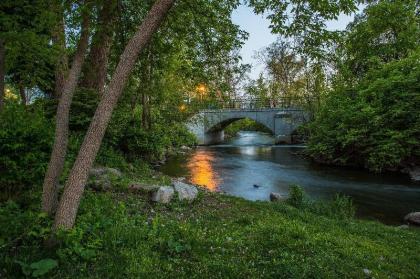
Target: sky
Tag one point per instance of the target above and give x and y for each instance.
(260, 35)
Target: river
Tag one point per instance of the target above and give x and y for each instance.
(252, 158)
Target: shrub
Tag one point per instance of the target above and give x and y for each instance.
(340, 207)
(25, 146)
(297, 197)
(376, 123)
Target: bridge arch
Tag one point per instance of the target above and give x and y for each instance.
(224, 123)
(208, 125)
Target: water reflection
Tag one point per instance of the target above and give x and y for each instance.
(251, 159)
(201, 170)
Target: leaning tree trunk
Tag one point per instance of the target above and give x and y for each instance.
(2, 73)
(56, 164)
(61, 67)
(74, 188)
(97, 64)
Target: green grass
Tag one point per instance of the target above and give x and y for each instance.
(120, 235)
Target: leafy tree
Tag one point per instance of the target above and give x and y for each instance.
(376, 123)
(369, 118)
(305, 21)
(24, 34)
(384, 32)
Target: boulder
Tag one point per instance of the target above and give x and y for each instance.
(100, 178)
(185, 191)
(413, 218)
(178, 179)
(143, 188)
(163, 195)
(185, 148)
(403, 227)
(367, 272)
(101, 171)
(415, 174)
(275, 197)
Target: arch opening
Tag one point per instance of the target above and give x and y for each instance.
(233, 125)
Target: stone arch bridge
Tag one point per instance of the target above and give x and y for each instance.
(208, 125)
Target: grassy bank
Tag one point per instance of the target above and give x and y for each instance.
(123, 235)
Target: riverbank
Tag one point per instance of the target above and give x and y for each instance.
(124, 235)
(250, 158)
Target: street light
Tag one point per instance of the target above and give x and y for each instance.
(202, 90)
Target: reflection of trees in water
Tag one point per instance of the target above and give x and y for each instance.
(201, 169)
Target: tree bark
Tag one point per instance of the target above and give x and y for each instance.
(2, 73)
(74, 188)
(96, 70)
(56, 164)
(59, 39)
(22, 95)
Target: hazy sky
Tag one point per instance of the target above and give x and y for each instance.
(260, 35)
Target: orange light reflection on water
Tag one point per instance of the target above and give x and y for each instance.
(202, 171)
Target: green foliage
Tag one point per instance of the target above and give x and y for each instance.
(25, 142)
(340, 207)
(25, 28)
(125, 236)
(38, 268)
(297, 196)
(245, 125)
(82, 109)
(370, 118)
(386, 31)
(375, 125)
(305, 20)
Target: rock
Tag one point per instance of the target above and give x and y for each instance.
(415, 174)
(403, 227)
(413, 218)
(163, 195)
(275, 197)
(178, 179)
(185, 148)
(367, 272)
(185, 191)
(142, 188)
(101, 171)
(100, 178)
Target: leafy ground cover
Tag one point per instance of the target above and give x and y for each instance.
(123, 235)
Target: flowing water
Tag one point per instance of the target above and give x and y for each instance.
(251, 159)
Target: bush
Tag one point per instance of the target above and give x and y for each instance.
(297, 197)
(340, 207)
(376, 124)
(25, 146)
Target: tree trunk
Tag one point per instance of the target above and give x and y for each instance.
(73, 191)
(22, 95)
(59, 39)
(2, 73)
(144, 124)
(56, 164)
(96, 70)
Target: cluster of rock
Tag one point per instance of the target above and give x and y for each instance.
(103, 179)
(165, 194)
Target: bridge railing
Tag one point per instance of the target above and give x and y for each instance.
(247, 103)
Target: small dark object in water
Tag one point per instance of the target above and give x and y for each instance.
(256, 186)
